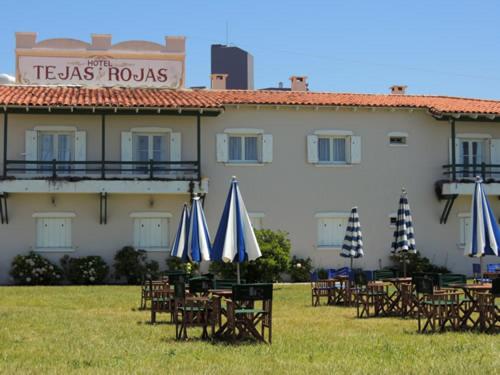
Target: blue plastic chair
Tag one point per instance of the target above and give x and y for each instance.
(331, 273)
(493, 267)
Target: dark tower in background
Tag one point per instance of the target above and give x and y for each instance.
(236, 63)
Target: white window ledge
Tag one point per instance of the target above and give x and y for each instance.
(397, 145)
(327, 248)
(151, 215)
(236, 164)
(55, 215)
(333, 165)
(331, 215)
(54, 249)
(243, 131)
(154, 249)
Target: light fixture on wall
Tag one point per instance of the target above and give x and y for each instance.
(151, 201)
(53, 200)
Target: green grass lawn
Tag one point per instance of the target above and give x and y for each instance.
(98, 330)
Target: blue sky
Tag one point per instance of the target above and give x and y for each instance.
(433, 46)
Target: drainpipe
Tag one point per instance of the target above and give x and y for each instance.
(453, 151)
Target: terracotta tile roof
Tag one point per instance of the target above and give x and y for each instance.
(17, 95)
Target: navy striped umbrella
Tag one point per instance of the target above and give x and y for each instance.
(353, 240)
(404, 235)
(485, 238)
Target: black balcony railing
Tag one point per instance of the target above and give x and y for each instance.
(468, 172)
(103, 170)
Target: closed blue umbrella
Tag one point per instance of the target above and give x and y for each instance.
(235, 240)
(193, 239)
(353, 240)
(485, 238)
(179, 247)
(404, 235)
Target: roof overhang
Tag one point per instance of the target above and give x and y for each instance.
(457, 116)
(91, 110)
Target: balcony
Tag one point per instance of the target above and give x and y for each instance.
(132, 177)
(460, 178)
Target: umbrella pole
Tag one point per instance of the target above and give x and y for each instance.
(351, 262)
(238, 273)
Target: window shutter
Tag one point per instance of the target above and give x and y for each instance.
(355, 143)
(80, 149)
(312, 149)
(126, 150)
(267, 148)
(495, 151)
(222, 147)
(175, 147)
(31, 149)
(457, 151)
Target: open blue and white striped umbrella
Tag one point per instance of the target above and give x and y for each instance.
(235, 240)
(404, 235)
(193, 244)
(179, 247)
(353, 240)
(485, 238)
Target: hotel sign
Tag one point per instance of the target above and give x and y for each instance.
(100, 71)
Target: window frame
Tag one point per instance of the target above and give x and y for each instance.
(402, 135)
(39, 216)
(257, 215)
(462, 236)
(330, 215)
(243, 159)
(331, 141)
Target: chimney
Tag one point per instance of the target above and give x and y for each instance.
(101, 41)
(299, 83)
(218, 81)
(398, 90)
(25, 40)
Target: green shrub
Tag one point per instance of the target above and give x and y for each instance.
(134, 266)
(416, 263)
(88, 270)
(300, 269)
(33, 269)
(176, 264)
(275, 248)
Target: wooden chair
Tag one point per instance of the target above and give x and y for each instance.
(437, 308)
(191, 311)
(244, 318)
(162, 300)
(489, 311)
(226, 283)
(200, 286)
(147, 289)
(371, 297)
(321, 289)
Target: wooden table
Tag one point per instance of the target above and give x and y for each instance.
(469, 290)
(397, 302)
(218, 295)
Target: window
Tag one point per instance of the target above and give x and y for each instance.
(53, 231)
(150, 147)
(151, 231)
(256, 219)
(332, 150)
(471, 156)
(398, 139)
(331, 229)
(243, 148)
(333, 147)
(465, 230)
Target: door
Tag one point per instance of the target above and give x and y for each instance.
(150, 147)
(471, 157)
(58, 146)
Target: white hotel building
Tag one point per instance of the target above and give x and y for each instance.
(101, 144)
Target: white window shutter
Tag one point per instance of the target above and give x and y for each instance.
(312, 149)
(31, 149)
(222, 147)
(175, 147)
(457, 151)
(80, 149)
(495, 151)
(355, 149)
(126, 149)
(267, 148)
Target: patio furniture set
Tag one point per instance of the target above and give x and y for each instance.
(223, 309)
(438, 301)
